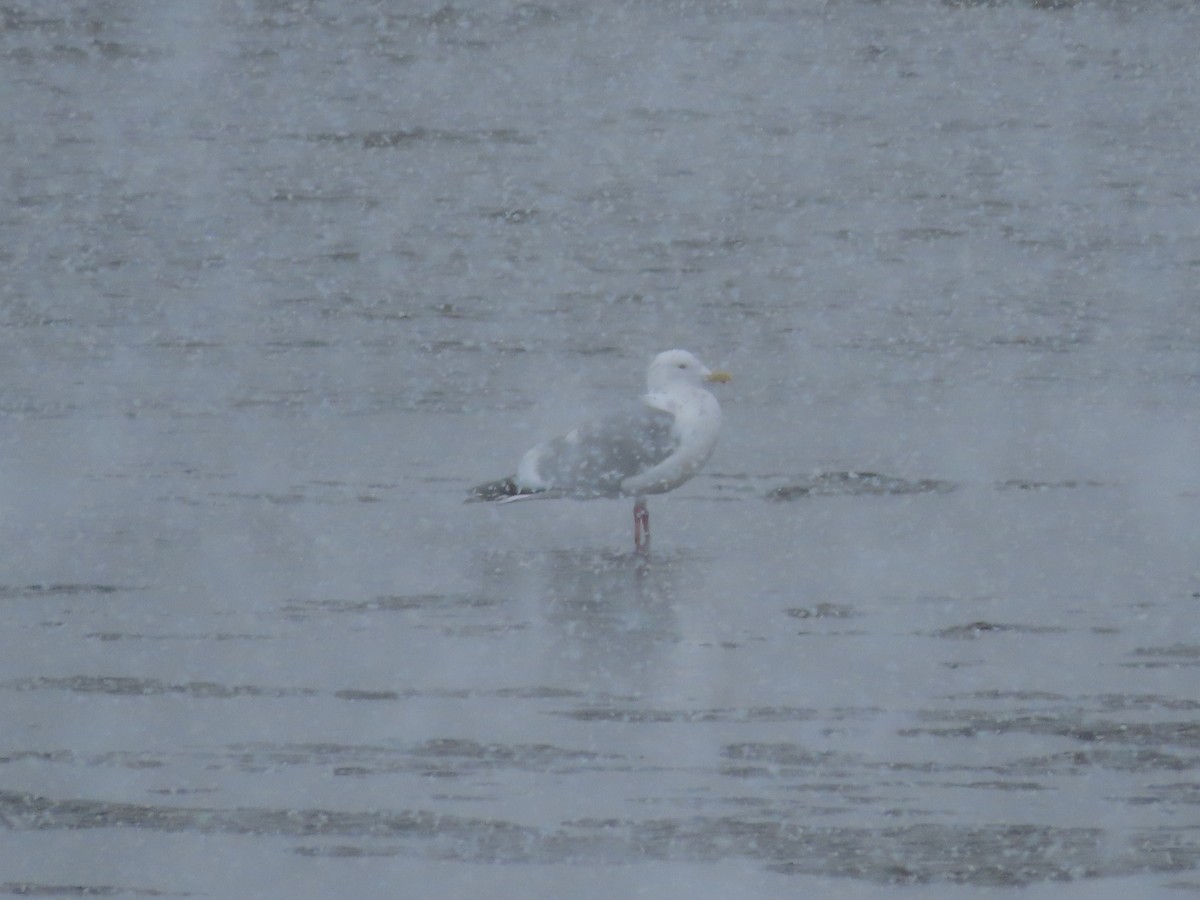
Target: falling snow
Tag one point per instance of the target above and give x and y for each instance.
(283, 279)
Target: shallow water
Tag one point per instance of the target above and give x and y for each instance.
(282, 280)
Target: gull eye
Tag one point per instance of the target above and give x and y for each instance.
(683, 365)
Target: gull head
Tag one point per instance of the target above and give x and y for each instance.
(678, 366)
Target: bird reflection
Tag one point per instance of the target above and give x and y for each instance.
(609, 617)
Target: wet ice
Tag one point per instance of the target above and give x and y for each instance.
(276, 276)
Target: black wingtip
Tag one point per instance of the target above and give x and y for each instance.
(494, 490)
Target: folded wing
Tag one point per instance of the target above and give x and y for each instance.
(595, 458)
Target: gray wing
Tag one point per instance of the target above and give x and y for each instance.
(595, 458)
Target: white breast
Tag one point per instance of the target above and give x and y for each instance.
(697, 424)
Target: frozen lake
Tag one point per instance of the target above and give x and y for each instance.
(283, 279)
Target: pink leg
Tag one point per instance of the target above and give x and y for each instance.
(641, 524)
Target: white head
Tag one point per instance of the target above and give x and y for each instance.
(679, 366)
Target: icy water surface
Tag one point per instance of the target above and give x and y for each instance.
(282, 280)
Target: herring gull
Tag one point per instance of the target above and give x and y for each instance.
(652, 446)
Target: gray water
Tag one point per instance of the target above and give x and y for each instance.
(283, 279)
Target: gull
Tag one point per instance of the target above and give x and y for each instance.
(651, 447)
